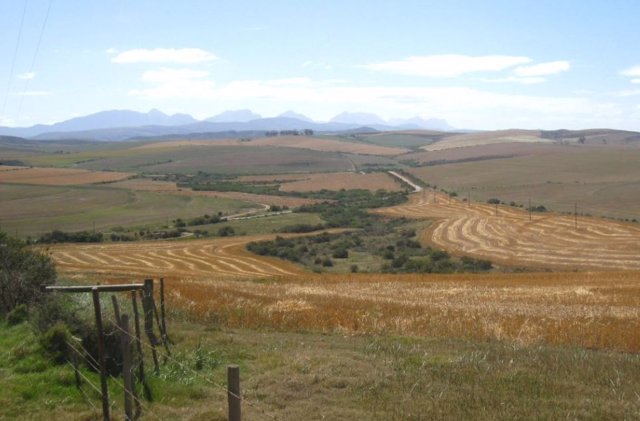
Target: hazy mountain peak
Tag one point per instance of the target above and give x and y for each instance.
(357, 118)
(297, 116)
(234, 116)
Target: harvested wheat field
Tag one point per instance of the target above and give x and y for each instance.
(58, 176)
(547, 240)
(215, 280)
(488, 138)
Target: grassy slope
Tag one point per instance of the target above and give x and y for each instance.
(334, 377)
(602, 181)
(36, 209)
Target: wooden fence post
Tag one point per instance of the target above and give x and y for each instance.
(101, 357)
(233, 392)
(116, 308)
(147, 390)
(147, 308)
(162, 311)
(127, 372)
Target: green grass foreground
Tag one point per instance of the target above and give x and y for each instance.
(313, 376)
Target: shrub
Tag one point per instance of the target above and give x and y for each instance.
(327, 262)
(22, 273)
(54, 342)
(493, 201)
(340, 253)
(18, 315)
(226, 232)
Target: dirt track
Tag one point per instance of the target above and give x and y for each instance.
(509, 237)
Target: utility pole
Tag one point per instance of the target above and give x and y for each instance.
(529, 209)
(575, 214)
(468, 199)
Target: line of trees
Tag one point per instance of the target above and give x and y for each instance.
(274, 133)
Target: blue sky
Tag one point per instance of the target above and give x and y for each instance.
(478, 64)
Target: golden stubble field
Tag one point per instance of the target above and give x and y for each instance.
(509, 236)
(218, 281)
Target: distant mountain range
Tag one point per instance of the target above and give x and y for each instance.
(118, 125)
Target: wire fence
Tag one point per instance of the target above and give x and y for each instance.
(219, 386)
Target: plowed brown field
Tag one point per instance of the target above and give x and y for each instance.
(509, 237)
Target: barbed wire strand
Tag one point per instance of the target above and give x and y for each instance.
(206, 379)
(86, 379)
(115, 380)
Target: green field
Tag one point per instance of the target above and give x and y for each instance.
(263, 225)
(604, 182)
(31, 210)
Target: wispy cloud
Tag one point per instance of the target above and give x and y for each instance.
(27, 75)
(516, 79)
(165, 55)
(447, 65)
(175, 83)
(631, 71)
(472, 106)
(542, 69)
(37, 93)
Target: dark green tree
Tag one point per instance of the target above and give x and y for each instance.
(22, 273)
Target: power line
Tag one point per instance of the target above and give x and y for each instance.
(33, 61)
(15, 56)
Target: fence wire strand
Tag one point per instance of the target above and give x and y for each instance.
(223, 388)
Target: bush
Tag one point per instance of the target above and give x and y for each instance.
(493, 201)
(18, 315)
(226, 232)
(341, 253)
(22, 273)
(327, 262)
(54, 342)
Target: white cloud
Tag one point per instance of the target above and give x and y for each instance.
(521, 80)
(38, 93)
(463, 107)
(635, 80)
(27, 75)
(175, 83)
(632, 71)
(111, 51)
(542, 69)
(165, 55)
(447, 65)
